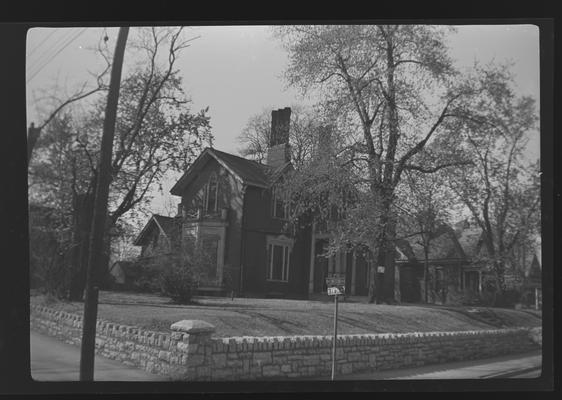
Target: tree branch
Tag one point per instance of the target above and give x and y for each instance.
(421, 144)
(429, 170)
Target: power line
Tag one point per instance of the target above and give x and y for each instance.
(33, 65)
(57, 53)
(43, 41)
(45, 57)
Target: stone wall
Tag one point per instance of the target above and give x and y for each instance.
(191, 353)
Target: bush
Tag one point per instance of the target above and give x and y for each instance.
(508, 298)
(178, 284)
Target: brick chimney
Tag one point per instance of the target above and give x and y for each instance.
(279, 151)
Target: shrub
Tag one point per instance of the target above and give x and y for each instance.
(180, 275)
(178, 283)
(508, 298)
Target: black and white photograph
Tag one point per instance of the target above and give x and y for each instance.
(289, 203)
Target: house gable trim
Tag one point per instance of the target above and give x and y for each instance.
(137, 241)
(185, 180)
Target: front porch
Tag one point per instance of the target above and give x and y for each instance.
(350, 265)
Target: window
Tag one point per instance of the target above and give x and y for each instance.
(280, 207)
(212, 193)
(210, 245)
(279, 255)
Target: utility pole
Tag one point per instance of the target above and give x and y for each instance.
(32, 136)
(335, 337)
(87, 350)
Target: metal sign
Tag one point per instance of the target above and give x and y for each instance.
(336, 290)
(335, 284)
(335, 280)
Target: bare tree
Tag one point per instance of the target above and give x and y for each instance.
(156, 132)
(59, 104)
(502, 188)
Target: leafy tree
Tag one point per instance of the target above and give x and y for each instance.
(58, 104)
(390, 88)
(56, 177)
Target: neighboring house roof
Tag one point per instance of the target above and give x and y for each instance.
(129, 269)
(470, 240)
(166, 225)
(443, 247)
(248, 172)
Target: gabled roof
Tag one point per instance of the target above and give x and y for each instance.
(249, 172)
(470, 239)
(166, 225)
(442, 247)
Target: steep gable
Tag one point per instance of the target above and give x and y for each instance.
(248, 172)
(167, 226)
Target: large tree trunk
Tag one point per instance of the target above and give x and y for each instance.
(389, 226)
(390, 292)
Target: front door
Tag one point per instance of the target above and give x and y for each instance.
(210, 246)
(320, 266)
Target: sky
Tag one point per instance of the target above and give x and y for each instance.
(237, 70)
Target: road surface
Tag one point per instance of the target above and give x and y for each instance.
(526, 365)
(54, 360)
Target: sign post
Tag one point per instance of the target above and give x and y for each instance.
(336, 287)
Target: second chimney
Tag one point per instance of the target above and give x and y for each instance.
(279, 152)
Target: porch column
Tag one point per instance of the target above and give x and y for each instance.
(353, 272)
(479, 281)
(312, 252)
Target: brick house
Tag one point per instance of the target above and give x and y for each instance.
(229, 205)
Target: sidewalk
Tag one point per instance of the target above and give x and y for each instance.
(526, 365)
(53, 360)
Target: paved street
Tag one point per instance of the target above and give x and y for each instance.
(53, 360)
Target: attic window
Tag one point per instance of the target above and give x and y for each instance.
(212, 193)
(280, 207)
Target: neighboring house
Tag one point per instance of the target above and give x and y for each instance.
(450, 272)
(122, 273)
(160, 236)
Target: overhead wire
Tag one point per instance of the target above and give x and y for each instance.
(58, 42)
(57, 53)
(43, 41)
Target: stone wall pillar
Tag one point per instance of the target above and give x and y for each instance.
(194, 349)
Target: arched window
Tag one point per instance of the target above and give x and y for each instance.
(280, 206)
(212, 193)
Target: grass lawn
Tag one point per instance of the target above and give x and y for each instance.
(279, 317)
